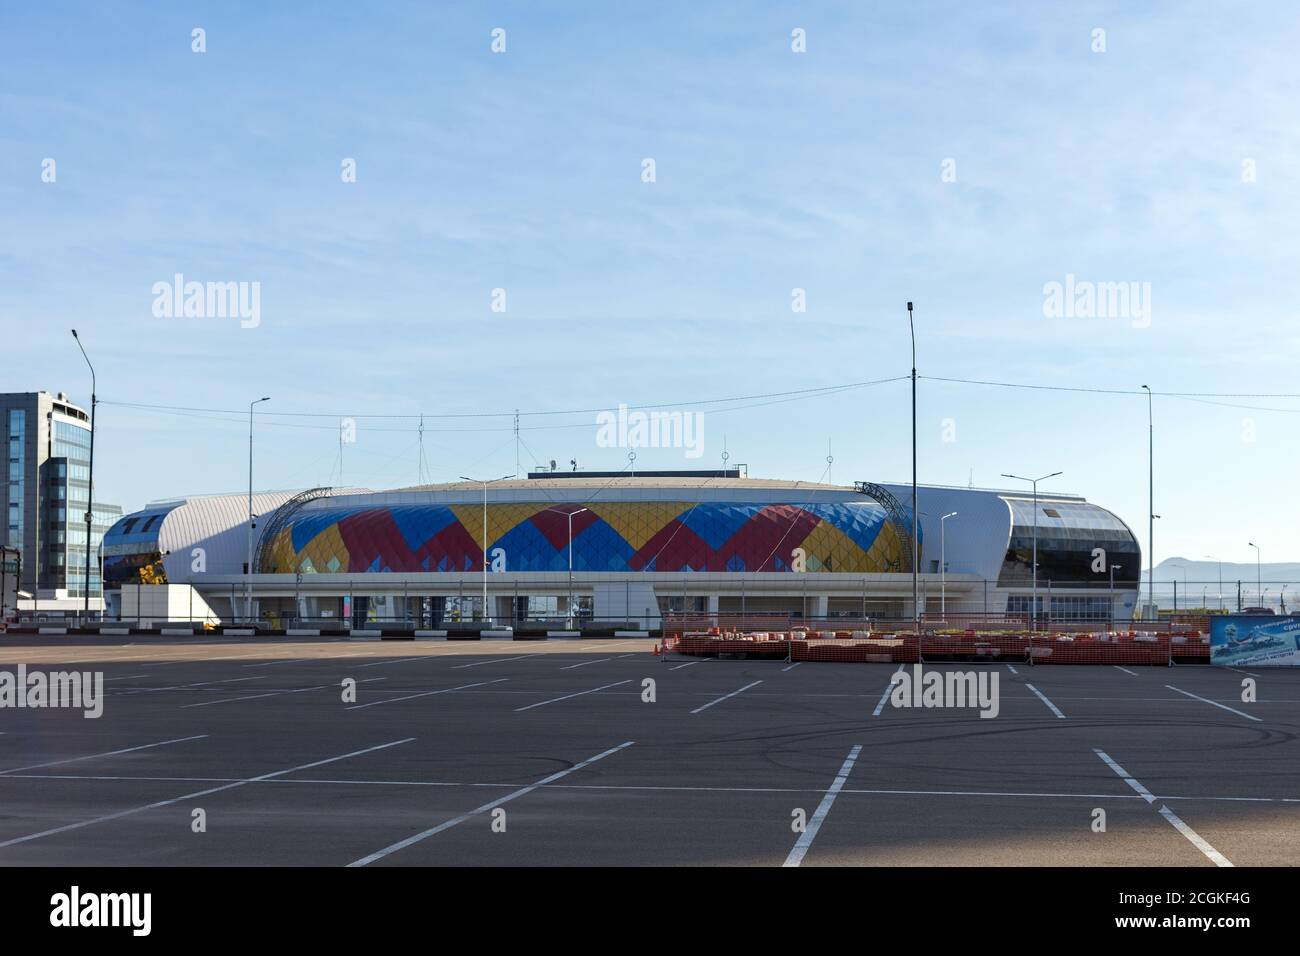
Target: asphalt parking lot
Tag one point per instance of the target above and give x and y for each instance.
(549, 753)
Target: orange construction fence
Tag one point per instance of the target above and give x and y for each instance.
(1109, 647)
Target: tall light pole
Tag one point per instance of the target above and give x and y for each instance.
(1259, 580)
(1186, 590)
(1211, 557)
(916, 608)
(485, 555)
(90, 491)
(252, 518)
(570, 515)
(1111, 601)
(1033, 608)
(943, 567)
(1151, 506)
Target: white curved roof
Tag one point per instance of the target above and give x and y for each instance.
(218, 525)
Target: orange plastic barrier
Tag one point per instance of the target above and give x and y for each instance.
(1087, 649)
(1129, 647)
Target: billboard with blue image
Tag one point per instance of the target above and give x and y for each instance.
(1255, 639)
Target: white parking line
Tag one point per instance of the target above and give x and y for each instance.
(428, 693)
(191, 796)
(495, 660)
(1240, 671)
(402, 844)
(687, 664)
(726, 696)
(1012, 669)
(1195, 838)
(1125, 670)
(111, 753)
(791, 667)
(229, 680)
(1206, 700)
(809, 834)
(885, 696)
(274, 693)
(206, 683)
(1043, 697)
(1125, 776)
(227, 700)
(599, 660)
(400, 660)
(556, 700)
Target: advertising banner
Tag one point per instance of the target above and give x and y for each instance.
(1255, 639)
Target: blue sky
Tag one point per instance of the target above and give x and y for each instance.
(774, 171)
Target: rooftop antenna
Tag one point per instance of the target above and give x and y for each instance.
(830, 459)
(970, 482)
(517, 441)
(420, 464)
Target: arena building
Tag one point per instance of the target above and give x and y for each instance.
(613, 547)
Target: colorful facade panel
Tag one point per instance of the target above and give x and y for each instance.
(654, 536)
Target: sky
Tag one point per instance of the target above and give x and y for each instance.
(814, 168)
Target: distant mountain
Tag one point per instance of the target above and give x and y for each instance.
(1203, 571)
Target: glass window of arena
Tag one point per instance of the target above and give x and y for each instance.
(1068, 535)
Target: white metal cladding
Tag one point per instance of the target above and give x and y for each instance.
(975, 541)
(218, 525)
(978, 537)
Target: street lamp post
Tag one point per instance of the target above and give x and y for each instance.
(569, 515)
(916, 610)
(90, 490)
(1151, 505)
(1259, 580)
(485, 554)
(1186, 590)
(1211, 557)
(1111, 601)
(252, 518)
(943, 568)
(1033, 607)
